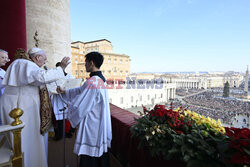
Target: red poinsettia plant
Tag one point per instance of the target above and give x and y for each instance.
(239, 145)
(174, 119)
(172, 134)
(192, 138)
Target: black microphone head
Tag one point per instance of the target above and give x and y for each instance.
(45, 67)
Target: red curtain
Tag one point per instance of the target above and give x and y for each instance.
(13, 26)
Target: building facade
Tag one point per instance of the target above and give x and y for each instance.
(190, 83)
(51, 21)
(115, 66)
(136, 94)
(207, 80)
(141, 89)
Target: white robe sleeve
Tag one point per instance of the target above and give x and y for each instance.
(82, 104)
(70, 94)
(24, 72)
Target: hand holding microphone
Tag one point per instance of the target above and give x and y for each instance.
(45, 67)
(60, 90)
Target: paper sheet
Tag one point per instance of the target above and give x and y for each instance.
(64, 84)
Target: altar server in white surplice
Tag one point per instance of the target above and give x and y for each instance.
(89, 109)
(3, 60)
(22, 80)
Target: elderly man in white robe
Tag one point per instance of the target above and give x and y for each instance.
(89, 109)
(22, 80)
(3, 60)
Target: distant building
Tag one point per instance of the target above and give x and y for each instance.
(198, 81)
(148, 76)
(208, 80)
(190, 83)
(141, 92)
(115, 66)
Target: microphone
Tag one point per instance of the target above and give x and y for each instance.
(45, 67)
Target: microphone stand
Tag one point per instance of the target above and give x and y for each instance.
(63, 110)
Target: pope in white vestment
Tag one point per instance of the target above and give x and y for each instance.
(22, 81)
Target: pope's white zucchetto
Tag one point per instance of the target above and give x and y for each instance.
(34, 51)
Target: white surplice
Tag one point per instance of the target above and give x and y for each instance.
(22, 81)
(89, 108)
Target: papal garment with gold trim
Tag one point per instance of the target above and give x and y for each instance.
(22, 80)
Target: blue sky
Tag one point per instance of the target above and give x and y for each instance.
(169, 35)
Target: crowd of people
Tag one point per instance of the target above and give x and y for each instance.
(234, 92)
(210, 104)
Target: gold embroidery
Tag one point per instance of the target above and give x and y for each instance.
(46, 110)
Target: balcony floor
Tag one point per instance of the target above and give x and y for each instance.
(55, 157)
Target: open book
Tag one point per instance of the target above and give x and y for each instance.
(64, 84)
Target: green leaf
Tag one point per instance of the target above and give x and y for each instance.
(190, 141)
(184, 149)
(246, 150)
(194, 163)
(174, 150)
(186, 158)
(140, 145)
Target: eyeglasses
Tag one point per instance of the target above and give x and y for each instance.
(6, 58)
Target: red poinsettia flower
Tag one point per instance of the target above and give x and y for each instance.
(239, 140)
(179, 131)
(159, 106)
(237, 158)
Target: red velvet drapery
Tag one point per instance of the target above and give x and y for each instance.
(13, 26)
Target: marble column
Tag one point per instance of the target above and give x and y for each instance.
(51, 19)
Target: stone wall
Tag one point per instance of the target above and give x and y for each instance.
(51, 19)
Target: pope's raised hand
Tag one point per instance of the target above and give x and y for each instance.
(65, 62)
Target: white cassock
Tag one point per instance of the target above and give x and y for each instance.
(22, 80)
(58, 104)
(2, 73)
(89, 108)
